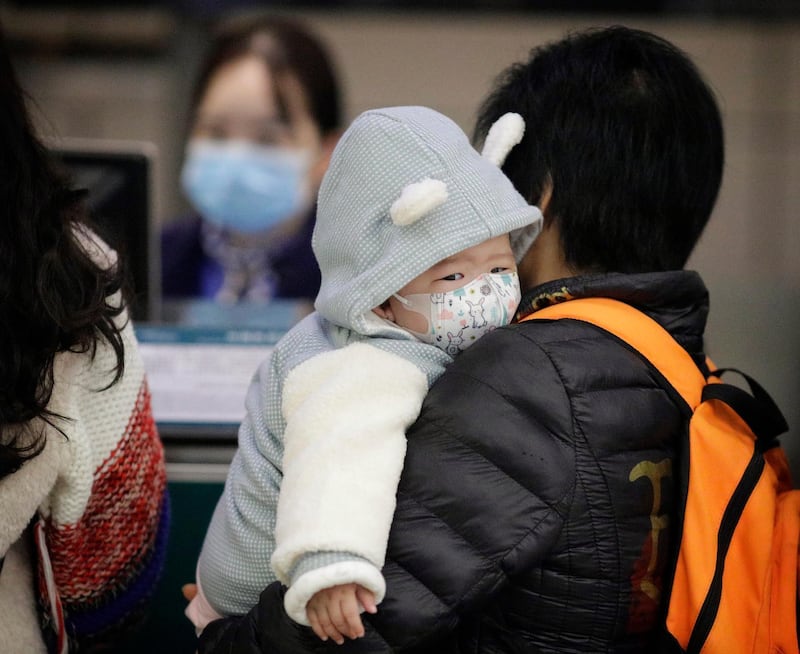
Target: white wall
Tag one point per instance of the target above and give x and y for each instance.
(749, 254)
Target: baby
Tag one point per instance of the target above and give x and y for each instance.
(412, 238)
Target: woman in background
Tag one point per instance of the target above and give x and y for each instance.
(82, 476)
(266, 115)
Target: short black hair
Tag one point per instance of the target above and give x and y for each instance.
(285, 45)
(624, 127)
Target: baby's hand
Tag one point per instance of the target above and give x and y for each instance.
(189, 591)
(335, 613)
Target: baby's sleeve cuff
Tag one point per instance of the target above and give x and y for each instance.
(342, 572)
(200, 611)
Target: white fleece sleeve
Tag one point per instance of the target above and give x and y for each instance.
(347, 412)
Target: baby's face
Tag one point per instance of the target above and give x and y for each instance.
(492, 256)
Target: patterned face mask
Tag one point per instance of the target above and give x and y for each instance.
(456, 319)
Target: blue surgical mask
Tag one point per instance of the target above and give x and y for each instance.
(245, 187)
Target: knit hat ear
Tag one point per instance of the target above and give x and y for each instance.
(503, 135)
(417, 200)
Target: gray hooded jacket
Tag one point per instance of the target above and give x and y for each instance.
(327, 412)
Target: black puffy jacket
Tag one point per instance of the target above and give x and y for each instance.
(534, 504)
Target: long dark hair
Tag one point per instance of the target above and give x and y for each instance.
(53, 296)
(285, 46)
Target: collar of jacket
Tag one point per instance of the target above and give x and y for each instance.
(677, 300)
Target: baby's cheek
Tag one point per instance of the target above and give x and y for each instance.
(412, 320)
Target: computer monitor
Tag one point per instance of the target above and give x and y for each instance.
(118, 176)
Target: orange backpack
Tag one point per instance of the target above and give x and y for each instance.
(733, 583)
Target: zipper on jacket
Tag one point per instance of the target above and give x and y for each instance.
(708, 612)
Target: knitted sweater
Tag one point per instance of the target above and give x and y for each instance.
(85, 522)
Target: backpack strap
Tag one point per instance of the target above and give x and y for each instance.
(756, 408)
(639, 331)
(658, 346)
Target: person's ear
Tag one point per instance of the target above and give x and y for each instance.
(547, 194)
(329, 142)
(385, 311)
(327, 145)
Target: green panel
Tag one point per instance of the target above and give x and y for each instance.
(168, 630)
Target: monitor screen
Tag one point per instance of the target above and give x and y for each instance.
(118, 178)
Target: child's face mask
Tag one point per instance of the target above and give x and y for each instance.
(246, 187)
(456, 319)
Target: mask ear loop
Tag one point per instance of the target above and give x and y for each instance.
(410, 306)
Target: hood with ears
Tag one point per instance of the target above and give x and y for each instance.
(404, 190)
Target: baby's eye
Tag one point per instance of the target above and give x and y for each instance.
(500, 269)
(452, 278)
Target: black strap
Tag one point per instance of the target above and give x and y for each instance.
(758, 410)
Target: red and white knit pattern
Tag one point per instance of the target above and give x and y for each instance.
(105, 509)
(107, 544)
